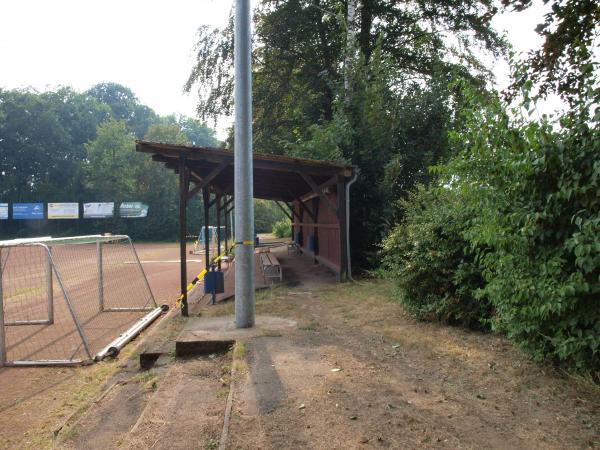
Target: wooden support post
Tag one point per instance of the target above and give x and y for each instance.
(218, 199)
(183, 192)
(224, 207)
(301, 226)
(205, 198)
(316, 203)
(341, 215)
(206, 180)
(227, 202)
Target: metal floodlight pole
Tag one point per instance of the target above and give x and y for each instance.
(244, 211)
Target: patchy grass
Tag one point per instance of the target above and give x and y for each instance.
(64, 403)
(272, 301)
(239, 350)
(311, 325)
(211, 444)
(148, 379)
(223, 392)
(238, 354)
(270, 333)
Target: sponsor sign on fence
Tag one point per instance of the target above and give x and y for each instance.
(63, 210)
(132, 210)
(28, 211)
(3, 211)
(98, 210)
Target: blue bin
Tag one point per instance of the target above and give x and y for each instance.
(214, 282)
(313, 243)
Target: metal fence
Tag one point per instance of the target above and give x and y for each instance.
(62, 301)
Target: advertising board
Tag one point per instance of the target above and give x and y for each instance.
(28, 211)
(98, 210)
(63, 210)
(133, 210)
(3, 211)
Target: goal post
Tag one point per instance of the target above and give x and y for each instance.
(63, 300)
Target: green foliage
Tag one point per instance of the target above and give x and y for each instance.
(534, 188)
(41, 142)
(124, 105)
(282, 228)
(64, 146)
(266, 213)
(570, 31)
(110, 169)
(371, 91)
(427, 256)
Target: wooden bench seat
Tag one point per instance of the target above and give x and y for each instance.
(270, 266)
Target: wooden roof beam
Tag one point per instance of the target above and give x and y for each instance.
(316, 189)
(202, 183)
(289, 216)
(259, 161)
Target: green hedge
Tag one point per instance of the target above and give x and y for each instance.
(426, 255)
(511, 234)
(282, 228)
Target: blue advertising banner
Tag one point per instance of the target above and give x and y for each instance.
(3, 211)
(28, 211)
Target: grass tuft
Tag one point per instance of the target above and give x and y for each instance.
(312, 325)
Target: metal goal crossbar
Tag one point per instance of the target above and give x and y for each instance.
(65, 300)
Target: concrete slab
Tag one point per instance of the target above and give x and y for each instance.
(202, 335)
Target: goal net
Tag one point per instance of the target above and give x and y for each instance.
(63, 300)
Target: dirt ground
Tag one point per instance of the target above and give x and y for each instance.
(400, 383)
(356, 372)
(35, 401)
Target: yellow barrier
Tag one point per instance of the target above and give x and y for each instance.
(195, 280)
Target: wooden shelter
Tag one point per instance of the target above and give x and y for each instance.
(313, 191)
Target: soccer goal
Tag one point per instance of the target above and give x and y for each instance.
(70, 300)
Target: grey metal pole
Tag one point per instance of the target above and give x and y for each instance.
(100, 275)
(232, 221)
(50, 288)
(244, 211)
(2, 330)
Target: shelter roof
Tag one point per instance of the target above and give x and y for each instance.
(275, 177)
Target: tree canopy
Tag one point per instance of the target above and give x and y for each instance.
(370, 90)
(66, 146)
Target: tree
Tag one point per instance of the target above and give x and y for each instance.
(381, 102)
(41, 142)
(124, 106)
(111, 162)
(570, 32)
(65, 146)
(197, 133)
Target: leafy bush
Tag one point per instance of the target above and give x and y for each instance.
(536, 187)
(282, 228)
(266, 213)
(512, 238)
(425, 255)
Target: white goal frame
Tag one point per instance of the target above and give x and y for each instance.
(53, 272)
